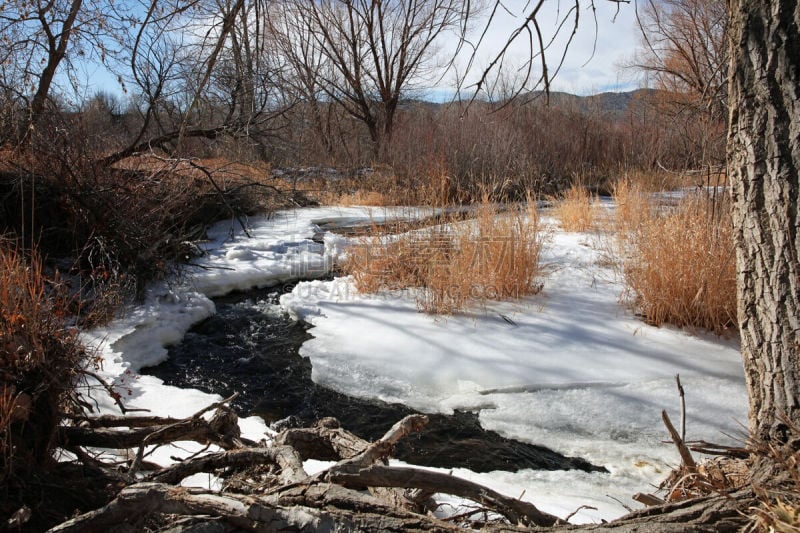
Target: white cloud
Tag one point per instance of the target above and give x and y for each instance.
(594, 59)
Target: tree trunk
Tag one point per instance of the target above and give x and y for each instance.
(56, 51)
(763, 165)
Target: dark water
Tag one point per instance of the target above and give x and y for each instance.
(251, 348)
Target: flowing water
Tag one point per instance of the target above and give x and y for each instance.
(250, 346)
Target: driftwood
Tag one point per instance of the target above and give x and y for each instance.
(322, 507)
(360, 492)
(222, 429)
(285, 457)
(325, 442)
(516, 511)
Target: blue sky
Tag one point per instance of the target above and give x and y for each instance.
(595, 56)
(614, 43)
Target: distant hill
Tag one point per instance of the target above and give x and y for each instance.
(614, 104)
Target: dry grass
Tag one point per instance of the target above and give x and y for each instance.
(776, 481)
(679, 263)
(385, 188)
(494, 257)
(633, 205)
(367, 198)
(655, 181)
(574, 209)
(38, 360)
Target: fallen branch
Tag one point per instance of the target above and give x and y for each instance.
(710, 448)
(110, 421)
(516, 511)
(383, 448)
(686, 455)
(296, 511)
(223, 426)
(326, 441)
(285, 457)
(195, 429)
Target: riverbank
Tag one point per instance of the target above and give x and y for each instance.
(570, 369)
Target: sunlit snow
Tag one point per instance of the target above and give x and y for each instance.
(570, 369)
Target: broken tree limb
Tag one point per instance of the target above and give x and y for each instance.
(196, 429)
(132, 438)
(383, 448)
(326, 441)
(224, 424)
(284, 456)
(686, 455)
(111, 421)
(516, 511)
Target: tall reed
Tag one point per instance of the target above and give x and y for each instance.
(679, 262)
(453, 266)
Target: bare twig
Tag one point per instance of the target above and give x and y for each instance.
(112, 393)
(683, 406)
(579, 509)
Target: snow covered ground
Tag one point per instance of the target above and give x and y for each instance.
(570, 368)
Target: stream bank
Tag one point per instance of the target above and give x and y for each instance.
(251, 347)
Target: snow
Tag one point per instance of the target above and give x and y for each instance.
(279, 249)
(570, 368)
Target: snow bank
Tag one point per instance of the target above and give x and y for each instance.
(279, 249)
(569, 369)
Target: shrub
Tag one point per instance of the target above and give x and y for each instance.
(125, 224)
(39, 358)
(493, 257)
(679, 264)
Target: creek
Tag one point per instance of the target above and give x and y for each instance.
(251, 347)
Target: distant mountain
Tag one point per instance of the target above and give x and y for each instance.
(615, 104)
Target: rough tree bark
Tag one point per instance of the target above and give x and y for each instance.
(763, 165)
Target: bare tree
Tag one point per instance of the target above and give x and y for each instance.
(685, 57)
(200, 71)
(42, 37)
(305, 58)
(685, 51)
(364, 54)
